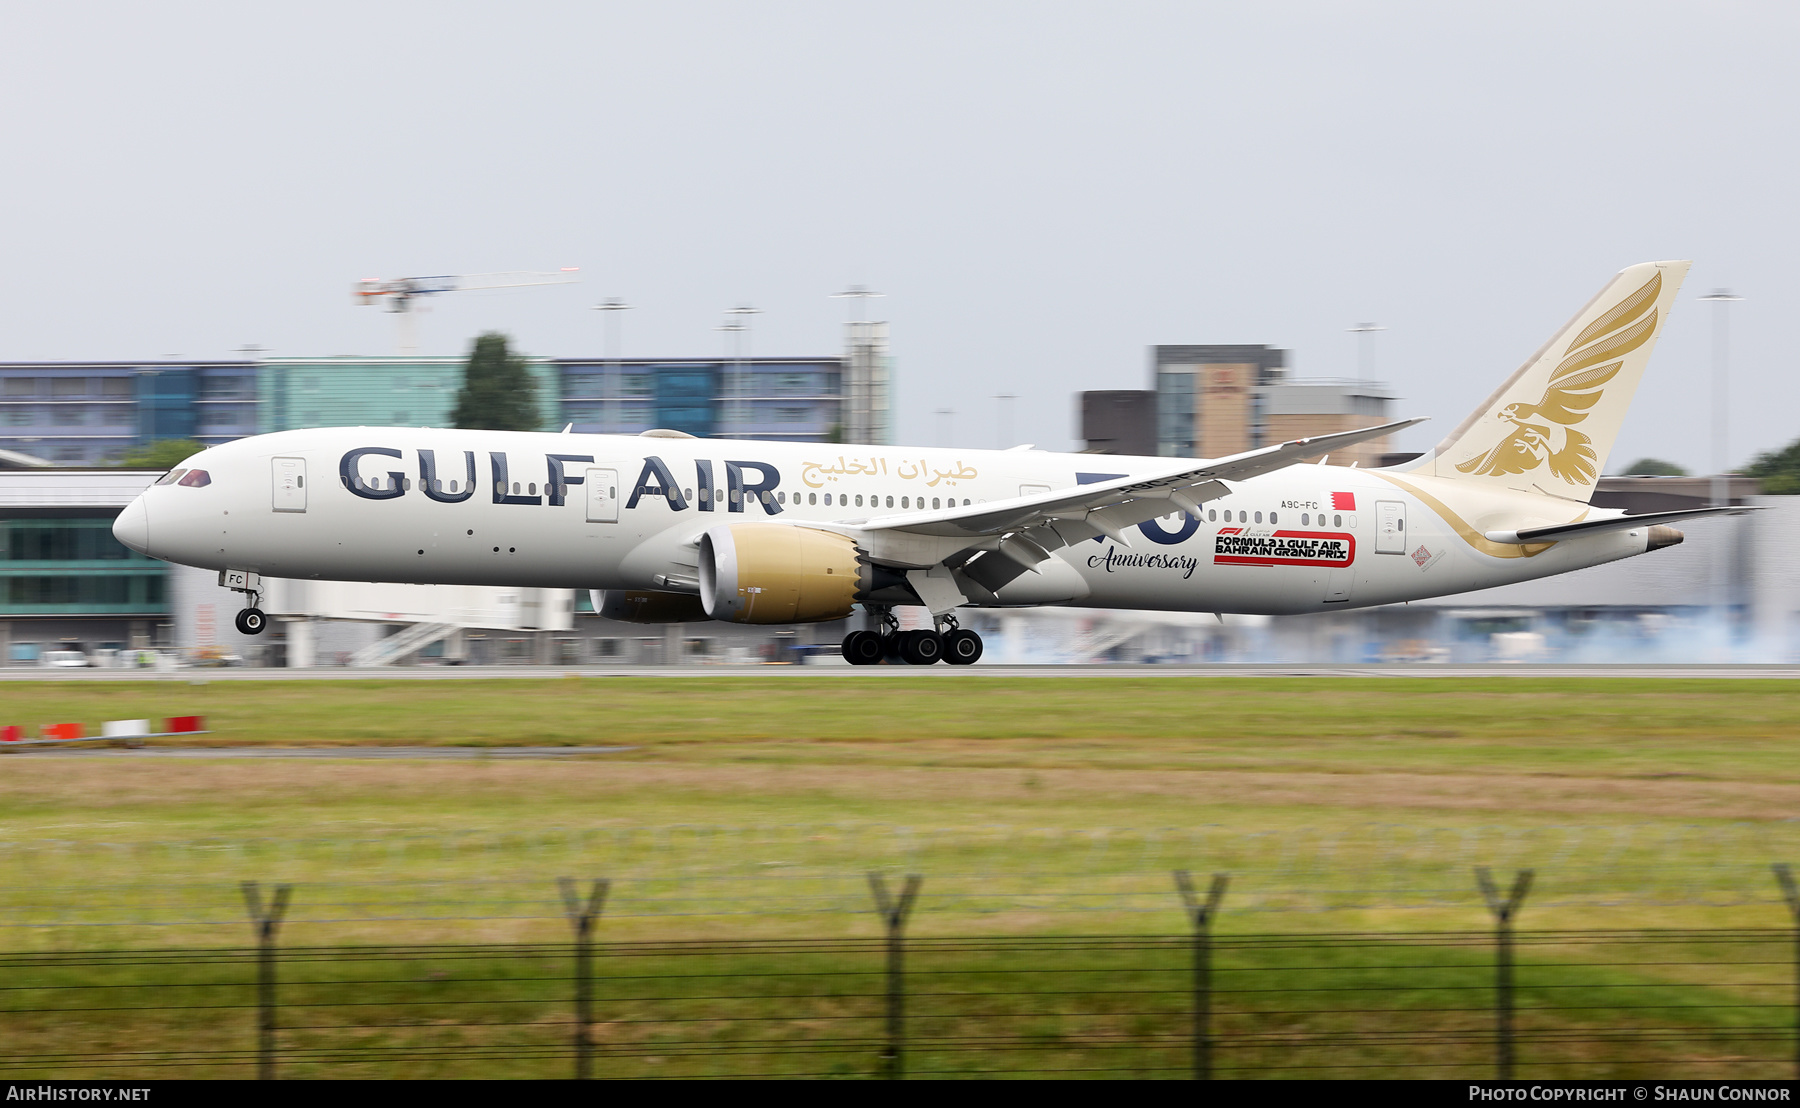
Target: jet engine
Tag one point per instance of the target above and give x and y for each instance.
(776, 573)
(645, 606)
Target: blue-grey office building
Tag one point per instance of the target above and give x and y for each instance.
(92, 413)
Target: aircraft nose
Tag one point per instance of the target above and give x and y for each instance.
(133, 526)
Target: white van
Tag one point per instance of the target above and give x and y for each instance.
(63, 659)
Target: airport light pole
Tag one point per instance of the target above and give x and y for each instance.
(1721, 300)
(738, 326)
(1003, 424)
(858, 295)
(612, 307)
(856, 420)
(1365, 343)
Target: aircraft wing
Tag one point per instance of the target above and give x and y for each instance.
(1110, 507)
(1613, 523)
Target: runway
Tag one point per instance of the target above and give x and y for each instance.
(1787, 671)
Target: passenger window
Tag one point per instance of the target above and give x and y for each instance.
(1243, 517)
(890, 502)
(453, 486)
(859, 500)
(1337, 521)
(903, 502)
(532, 488)
(1259, 517)
(812, 498)
(1306, 519)
(934, 503)
(1271, 517)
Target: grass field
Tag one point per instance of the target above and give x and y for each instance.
(1655, 796)
(749, 809)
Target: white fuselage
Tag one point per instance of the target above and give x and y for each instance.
(325, 504)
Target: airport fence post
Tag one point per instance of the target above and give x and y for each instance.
(1201, 915)
(265, 920)
(1505, 911)
(893, 919)
(582, 916)
(1784, 874)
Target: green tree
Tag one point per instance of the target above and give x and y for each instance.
(1778, 470)
(161, 454)
(497, 393)
(1655, 467)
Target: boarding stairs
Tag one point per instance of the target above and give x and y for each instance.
(408, 640)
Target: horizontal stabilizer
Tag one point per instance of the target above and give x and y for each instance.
(1615, 523)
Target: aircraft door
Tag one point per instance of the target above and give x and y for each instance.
(289, 484)
(1390, 534)
(602, 495)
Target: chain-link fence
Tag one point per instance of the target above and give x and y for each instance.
(1588, 1004)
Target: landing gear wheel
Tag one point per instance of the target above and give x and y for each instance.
(862, 648)
(962, 647)
(921, 648)
(251, 621)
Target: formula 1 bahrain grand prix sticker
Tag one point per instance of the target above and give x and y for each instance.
(1233, 546)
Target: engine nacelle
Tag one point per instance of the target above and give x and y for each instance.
(776, 573)
(645, 606)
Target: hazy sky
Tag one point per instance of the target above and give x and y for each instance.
(1042, 189)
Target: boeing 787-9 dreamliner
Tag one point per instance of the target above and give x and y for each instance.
(664, 527)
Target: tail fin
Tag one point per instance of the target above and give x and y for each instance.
(1550, 427)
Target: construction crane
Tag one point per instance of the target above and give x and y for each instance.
(404, 296)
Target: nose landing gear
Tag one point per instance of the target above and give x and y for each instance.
(251, 620)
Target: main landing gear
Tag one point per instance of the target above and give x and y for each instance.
(958, 645)
(251, 620)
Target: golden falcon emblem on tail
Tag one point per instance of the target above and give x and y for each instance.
(1544, 433)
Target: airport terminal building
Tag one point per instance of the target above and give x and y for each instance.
(92, 413)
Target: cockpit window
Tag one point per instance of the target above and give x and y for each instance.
(196, 479)
(171, 477)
